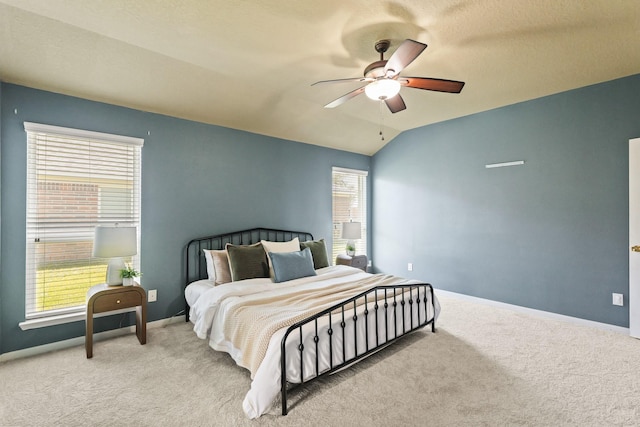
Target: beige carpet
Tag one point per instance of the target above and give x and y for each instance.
(485, 366)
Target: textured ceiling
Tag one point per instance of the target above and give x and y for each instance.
(249, 64)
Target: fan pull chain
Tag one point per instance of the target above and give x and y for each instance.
(381, 120)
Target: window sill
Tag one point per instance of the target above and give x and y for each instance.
(61, 319)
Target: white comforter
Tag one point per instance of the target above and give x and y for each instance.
(208, 305)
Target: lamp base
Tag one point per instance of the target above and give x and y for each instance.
(113, 271)
(351, 248)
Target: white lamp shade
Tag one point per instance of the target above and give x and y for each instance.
(351, 230)
(382, 89)
(110, 242)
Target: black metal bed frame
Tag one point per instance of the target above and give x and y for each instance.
(399, 305)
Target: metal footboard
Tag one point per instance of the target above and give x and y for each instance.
(370, 320)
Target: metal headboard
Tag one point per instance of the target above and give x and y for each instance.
(195, 264)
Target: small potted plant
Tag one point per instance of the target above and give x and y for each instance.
(351, 249)
(128, 274)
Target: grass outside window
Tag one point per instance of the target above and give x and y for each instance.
(66, 286)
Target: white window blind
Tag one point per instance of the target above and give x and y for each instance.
(349, 204)
(76, 180)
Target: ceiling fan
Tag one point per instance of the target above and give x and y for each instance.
(384, 80)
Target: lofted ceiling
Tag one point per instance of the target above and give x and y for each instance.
(249, 64)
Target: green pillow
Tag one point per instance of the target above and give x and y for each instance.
(247, 261)
(318, 251)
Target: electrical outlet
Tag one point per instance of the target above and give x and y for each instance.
(410, 266)
(618, 299)
(152, 295)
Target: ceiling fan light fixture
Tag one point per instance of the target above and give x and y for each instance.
(382, 89)
(384, 76)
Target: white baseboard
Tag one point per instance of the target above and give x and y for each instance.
(73, 342)
(534, 312)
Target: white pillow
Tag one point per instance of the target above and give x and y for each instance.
(211, 271)
(290, 246)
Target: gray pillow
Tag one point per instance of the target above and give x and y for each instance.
(292, 265)
(318, 251)
(247, 261)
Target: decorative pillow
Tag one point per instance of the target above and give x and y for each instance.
(290, 246)
(217, 266)
(211, 272)
(292, 265)
(247, 261)
(318, 251)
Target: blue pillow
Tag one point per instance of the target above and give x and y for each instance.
(292, 265)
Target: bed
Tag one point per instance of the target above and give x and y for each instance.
(290, 328)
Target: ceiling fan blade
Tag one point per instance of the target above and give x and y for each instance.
(356, 79)
(395, 104)
(403, 56)
(345, 98)
(427, 83)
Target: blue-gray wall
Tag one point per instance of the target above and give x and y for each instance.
(550, 235)
(197, 179)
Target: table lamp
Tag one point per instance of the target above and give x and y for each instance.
(351, 231)
(115, 243)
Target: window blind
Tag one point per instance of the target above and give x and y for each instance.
(76, 180)
(349, 192)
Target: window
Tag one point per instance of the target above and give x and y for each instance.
(76, 180)
(349, 204)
